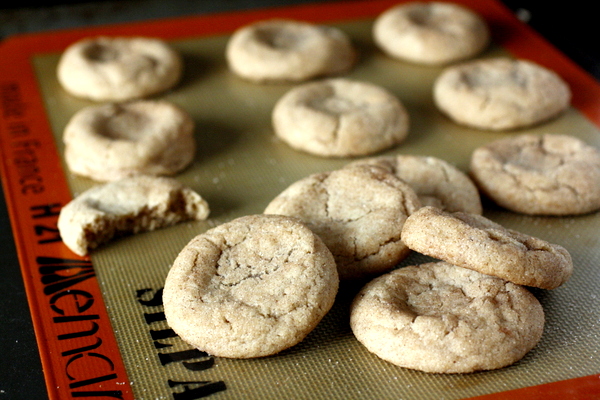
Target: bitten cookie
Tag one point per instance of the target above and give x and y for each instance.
(436, 182)
(127, 206)
(441, 318)
(288, 50)
(500, 94)
(251, 287)
(112, 141)
(340, 118)
(358, 212)
(432, 33)
(473, 241)
(540, 175)
(119, 68)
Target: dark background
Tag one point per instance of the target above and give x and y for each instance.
(570, 26)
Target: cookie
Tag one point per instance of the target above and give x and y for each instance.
(539, 174)
(111, 141)
(441, 318)
(251, 287)
(357, 211)
(288, 50)
(119, 68)
(473, 241)
(431, 33)
(340, 118)
(436, 182)
(127, 206)
(500, 94)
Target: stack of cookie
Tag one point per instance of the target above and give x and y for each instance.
(470, 311)
(359, 210)
(467, 312)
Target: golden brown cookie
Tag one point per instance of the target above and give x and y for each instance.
(539, 174)
(500, 94)
(473, 241)
(143, 137)
(288, 50)
(127, 206)
(119, 68)
(433, 33)
(441, 318)
(251, 287)
(436, 182)
(357, 211)
(340, 118)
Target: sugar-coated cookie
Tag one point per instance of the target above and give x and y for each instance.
(288, 50)
(547, 174)
(437, 182)
(111, 141)
(340, 117)
(473, 241)
(251, 287)
(433, 33)
(441, 318)
(127, 206)
(500, 94)
(119, 68)
(357, 211)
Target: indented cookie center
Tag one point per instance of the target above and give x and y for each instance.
(278, 38)
(537, 159)
(422, 16)
(531, 157)
(148, 61)
(127, 125)
(101, 53)
(334, 105)
(433, 19)
(495, 77)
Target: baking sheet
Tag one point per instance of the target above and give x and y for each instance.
(240, 166)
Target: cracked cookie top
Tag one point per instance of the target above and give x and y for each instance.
(436, 182)
(473, 241)
(500, 93)
(357, 211)
(340, 118)
(441, 318)
(251, 287)
(539, 174)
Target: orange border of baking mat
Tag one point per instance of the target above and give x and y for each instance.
(78, 349)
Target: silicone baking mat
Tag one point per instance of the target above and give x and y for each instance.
(98, 320)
